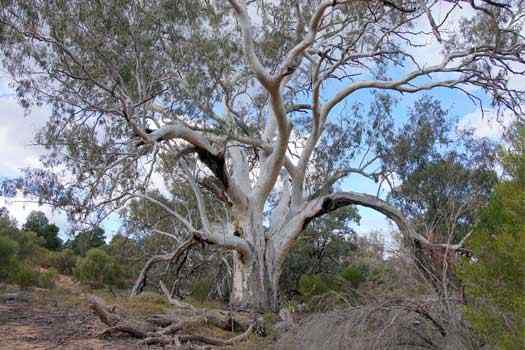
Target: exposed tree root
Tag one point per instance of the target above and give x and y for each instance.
(173, 329)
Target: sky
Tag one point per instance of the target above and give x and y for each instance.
(17, 131)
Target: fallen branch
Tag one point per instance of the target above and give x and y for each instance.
(184, 338)
(116, 322)
(172, 300)
(164, 329)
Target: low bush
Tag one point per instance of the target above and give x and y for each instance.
(355, 274)
(64, 261)
(8, 259)
(46, 279)
(312, 285)
(25, 277)
(97, 270)
(200, 289)
(30, 246)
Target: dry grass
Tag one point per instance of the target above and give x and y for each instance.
(70, 298)
(141, 306)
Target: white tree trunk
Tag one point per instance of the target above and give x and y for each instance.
(254, 277)
(253, 285)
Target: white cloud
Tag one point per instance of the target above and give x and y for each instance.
(16, 136)
(19, 208)
(17, 131)
(429, 51)
(488, 125)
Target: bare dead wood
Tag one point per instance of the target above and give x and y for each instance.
(103, 311)
(123, 328)
(172, 300)
(185, 338)
(164, 329)
(116, 322)
(224, 320)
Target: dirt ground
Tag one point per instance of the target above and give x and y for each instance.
(39, 320)
(59, 318)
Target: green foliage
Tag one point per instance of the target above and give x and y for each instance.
(7, 224)
(64, 261)
(495, 279)
(200, 289)
(312, 285)
(86, 240)
(318, 251)
(97, 269)
(8, 251)
(32, 248)
(440, 172)
(126, 252)
(26, 276)
(30, 244)
(46, 278)
(20, 253)
(355, 274)
(8, 248)
(37, 222)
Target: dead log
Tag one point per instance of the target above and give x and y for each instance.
(165, 329)
(225, 320)
(185, 338)
(103, 311)
(173, 301)
(117, 323)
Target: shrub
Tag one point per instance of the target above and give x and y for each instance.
(98, 269)
(47, 279)
(8, 248)
(8, 259)
(311, 285)
(200, 289)
(64, 261)
(494, 279)
(24, 276)
(355, 274)
(30, 245)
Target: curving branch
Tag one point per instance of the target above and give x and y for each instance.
(223, 239)
(404, 84)
(325, 204)
(248, 44)
(141, 281)
(293, 59)
(210, 155)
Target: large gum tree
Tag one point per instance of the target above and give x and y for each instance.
(247, 103)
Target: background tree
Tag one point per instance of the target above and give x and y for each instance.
(206, 272)
(98, 270)
(445, 176)
(86, 240)
(238, 100)
(495, 275)
(322, 249)
(38, 223)
(22, 255)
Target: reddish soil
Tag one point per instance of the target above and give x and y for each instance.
(35, 321)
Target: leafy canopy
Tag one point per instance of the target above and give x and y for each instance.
(495, 277)
(38, 222)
